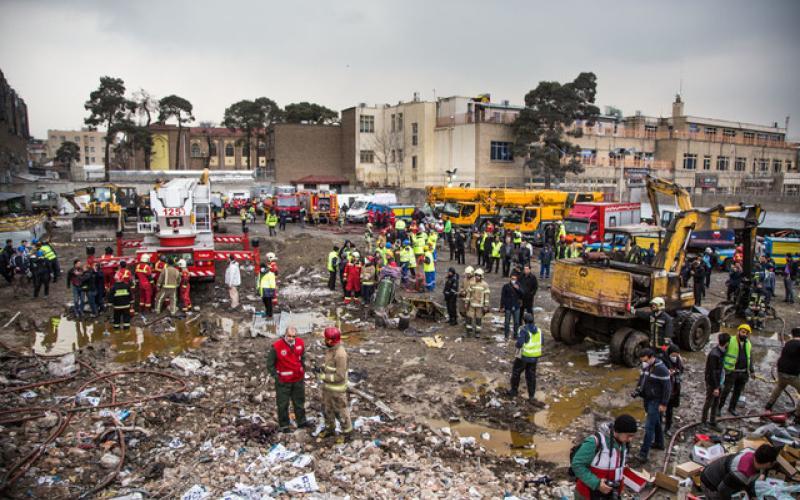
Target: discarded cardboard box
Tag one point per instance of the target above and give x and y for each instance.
(688, 469)
(791, 453)
(786, 467)
(635, 480)
(705, 452)
(666, 482)
(752, 443)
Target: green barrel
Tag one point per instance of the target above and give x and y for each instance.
(384, 294)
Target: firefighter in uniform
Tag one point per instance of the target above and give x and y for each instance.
(185, 287)
(158, 268)
(168, 282)
(333, 376)
(661, 328)
(143, 272)
(108, 268)
(757, 306)
(286, 363)
(121, 299)
(478, 304)
(123, 274)
(469, 280)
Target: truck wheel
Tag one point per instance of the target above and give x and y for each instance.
(569, 328)
(617, 345)
(555, 322)
(694, 332)
(634, 343)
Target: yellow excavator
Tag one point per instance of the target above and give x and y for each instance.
(598, 295)
(101, 211)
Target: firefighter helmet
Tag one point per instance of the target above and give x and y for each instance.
(182, 264)
(658, 303)
(469, 270)
(145, 257)
(479, 272)
(270, 256)
(332, 336)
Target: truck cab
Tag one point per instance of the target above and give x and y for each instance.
(530, 220)
(588, 221)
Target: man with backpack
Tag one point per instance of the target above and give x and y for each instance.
(598, 462)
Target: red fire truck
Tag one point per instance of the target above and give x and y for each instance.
(587, 222)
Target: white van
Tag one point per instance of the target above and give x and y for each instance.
(358, 210)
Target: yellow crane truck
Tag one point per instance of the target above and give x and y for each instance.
(598, 296)
(530, 211)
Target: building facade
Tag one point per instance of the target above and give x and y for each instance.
(14, 132)
(296, 150)
(91, 143)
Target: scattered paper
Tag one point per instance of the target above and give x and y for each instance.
(196, 492)
(303, 484)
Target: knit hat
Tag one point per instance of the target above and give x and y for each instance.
(625, 423)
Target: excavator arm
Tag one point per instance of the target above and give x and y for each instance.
(663, 186)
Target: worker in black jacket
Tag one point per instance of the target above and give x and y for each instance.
(661, 323)
(788, 371)
(529, 286)
(655, 388)
(121, 299)
(735, 473)
(510, 302)
(714, 375)
(451, 295)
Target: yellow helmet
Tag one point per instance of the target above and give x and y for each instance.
(745, 327)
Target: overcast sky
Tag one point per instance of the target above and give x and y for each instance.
(736, 59)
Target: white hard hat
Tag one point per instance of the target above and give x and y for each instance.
(658, 302)
(182, 263)
(356, 255)
(469, 270)
(270, 256)
(708, 250)
(145, 257)
(479, 272)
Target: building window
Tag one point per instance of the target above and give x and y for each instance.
(414, 161)
(261, 150)
(707, 162)
(788, 165)
(399, 122)
(739, 166)
(501, 151)
(91, 149)
(392, 122)
(760, 164)
(229, 152)
(689, 161)
(749, 137)
(414, 134)
(91, 138)
(196, 152)
(723, 163)
(63, 138)
(693, 128)
(650, 130)
(77, 139)
(212, 148)
(729, 133)
(711, 132)
(367, 124)
(400, 156)
(367, 156)
(94, 160)
(777, 165)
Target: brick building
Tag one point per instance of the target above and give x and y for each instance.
(297, 150)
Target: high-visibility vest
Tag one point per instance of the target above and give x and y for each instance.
(608, 463)
(332, 256)
(272, 220)
(482, 241)
(517, 236)
(496, 249)
(419, 243)
(448, 226)
(433, 238)
(533, 347)
(266, 281)
(49, 254)
(412, 261)
(400, 225)
(429, 266)
(143, 268)
(732, 354)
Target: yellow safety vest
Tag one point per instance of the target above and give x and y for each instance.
(517, 237)
(732, 354)
(331, 256)
(272, 220)
(49, 254)
(496, 246)
(483, 240)
(429, 267)
(266, 281)
(412, 258)
(533, 347)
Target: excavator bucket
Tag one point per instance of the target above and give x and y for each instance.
(88, 227)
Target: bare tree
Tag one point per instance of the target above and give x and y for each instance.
(388, 149)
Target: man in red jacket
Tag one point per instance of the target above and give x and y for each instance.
(285, 362)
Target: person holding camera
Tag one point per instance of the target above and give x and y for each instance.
(599, 461)
(655, 387)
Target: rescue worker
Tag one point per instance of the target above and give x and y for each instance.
(168, 282)
(736, 473)
(529, 286)
(738, 365)
(419, 244)
(734, 282)
(158, 268)
(676, 369)
(41, 274)
(655, 388)
(286, 363)
(368, 237)
(352, 276)
(661, 323)
(74, 283)
(756, 309)
(233, 280)
(448, 235)
(267, 289)
(124, 274)
(243, 216)
(400, 229)
(451, 295)
(333, 376)
(788, 372)
(463, 303)
(714, 377)
(697, 272)
(185, 286)
(433, 240)
(143, 272)
(481, 248)
(333, 265)
(412, 260)
(478, 304)
(601, 459)
(429, 267)
(517, 238)
(459, 241)
(494, 256)
(121, 299)
(528, 352)
(368, 275)
(272, 221)
(50, 256)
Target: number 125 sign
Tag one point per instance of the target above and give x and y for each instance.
(171, 212)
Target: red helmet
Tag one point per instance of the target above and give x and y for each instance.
(333, 335)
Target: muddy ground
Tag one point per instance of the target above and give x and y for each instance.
(454, 433)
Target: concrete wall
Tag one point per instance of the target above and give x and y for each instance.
(492, 172)
(302, 150)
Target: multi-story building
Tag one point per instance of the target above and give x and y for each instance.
(296, 151)
(91, 144)
(14, 132)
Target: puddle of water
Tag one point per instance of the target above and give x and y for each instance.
(229, 326)
(608, 390)
(477, 383)
(64, 336)
(305, 322)
(510, 443)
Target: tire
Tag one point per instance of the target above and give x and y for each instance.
(555, 322)
(634, 343)
(617, 345)
(568, 330)
(694, 332)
